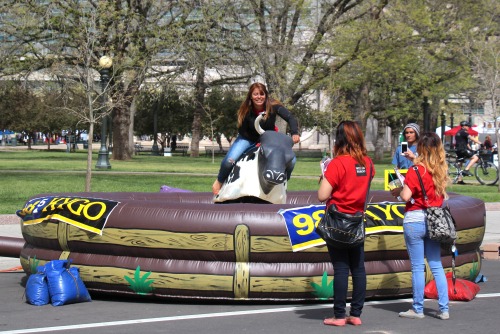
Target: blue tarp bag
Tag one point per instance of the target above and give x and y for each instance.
(65, 284)
(37, 290)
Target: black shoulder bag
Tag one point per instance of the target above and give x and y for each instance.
(440, 222)
(440, 226)
(343, 230)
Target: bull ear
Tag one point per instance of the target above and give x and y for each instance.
(258, 128)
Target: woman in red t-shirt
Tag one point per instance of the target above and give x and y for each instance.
(432, 167)
(342, 186)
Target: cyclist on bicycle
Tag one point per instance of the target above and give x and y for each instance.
(463, 148)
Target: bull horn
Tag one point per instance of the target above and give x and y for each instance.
(260, 131)
(258, 128)
(309, 135)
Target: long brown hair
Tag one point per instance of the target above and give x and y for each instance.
(432, 156)
(349, 140)
(247, 103)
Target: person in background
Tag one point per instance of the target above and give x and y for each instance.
(463, 148)
(341, 186)
(256, 102)
(173, 143)
(488, 145)
(432, 167)
(404, 160)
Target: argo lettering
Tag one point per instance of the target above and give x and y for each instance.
(89, 214)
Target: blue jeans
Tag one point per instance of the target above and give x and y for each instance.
(239, 146)
(419, 245)
(343, 260)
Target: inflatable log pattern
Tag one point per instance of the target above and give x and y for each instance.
(181, 245)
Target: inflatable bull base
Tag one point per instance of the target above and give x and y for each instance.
(180, 245)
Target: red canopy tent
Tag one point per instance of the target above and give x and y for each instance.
(453, 131)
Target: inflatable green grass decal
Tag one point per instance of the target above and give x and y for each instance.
(473, 271)
(140, 284)
(325, 290)
(33, 264)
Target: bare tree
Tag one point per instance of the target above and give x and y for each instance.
(138, 35)
(80, 83)
(211, 48)
(288, 42)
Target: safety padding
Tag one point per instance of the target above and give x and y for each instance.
(181, 245)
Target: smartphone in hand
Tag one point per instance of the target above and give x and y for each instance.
(404, 147)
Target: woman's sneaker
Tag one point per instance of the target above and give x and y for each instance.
(334, 322)
(411, 314)
(443, 315)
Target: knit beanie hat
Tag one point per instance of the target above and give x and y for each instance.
(413, 126)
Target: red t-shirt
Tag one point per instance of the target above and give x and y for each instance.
(411, 180)
(349, 181)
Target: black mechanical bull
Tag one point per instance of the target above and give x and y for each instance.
(261, 174)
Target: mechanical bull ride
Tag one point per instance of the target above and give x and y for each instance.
(261, 174)
(181, 245)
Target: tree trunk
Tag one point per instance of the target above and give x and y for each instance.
(434, 114)
(379, 146)
(394, 142)
(218, 139)
(361, 108)
(133, 110)
(198, 110)
(88, 174)
(49, 137)
(31, 139)
(121, 130)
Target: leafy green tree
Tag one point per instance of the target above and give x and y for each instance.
(221, 117)
(173, 116)
(51, 117)
(25, 106)
(8, 114)
(402, 52)
(478, 38)
(337, 110)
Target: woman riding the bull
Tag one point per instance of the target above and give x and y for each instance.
(256, 102)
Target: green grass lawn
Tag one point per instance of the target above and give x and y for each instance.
(27, 173)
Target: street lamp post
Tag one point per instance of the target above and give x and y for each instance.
(105, 63)
(110, 132)
(425, 108)
(443, 119)
(451, 127)
(470, 110)
(443, 124)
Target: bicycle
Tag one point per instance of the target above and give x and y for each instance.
(485, 171)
